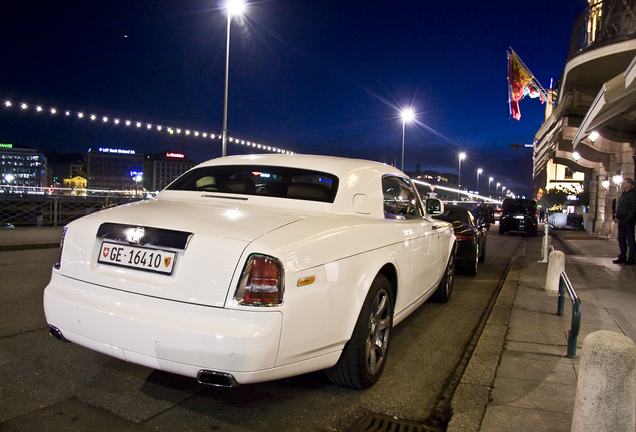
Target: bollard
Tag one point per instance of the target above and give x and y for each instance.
(556, 265)
(605, 396)
(545, 249)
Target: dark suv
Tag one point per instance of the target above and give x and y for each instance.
(519, 214)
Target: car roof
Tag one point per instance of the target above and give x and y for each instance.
(338, 166)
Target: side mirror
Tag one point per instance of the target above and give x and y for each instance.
(434, 207)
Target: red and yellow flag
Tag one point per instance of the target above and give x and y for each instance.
(518, 79)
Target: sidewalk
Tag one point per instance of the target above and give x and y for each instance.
(519, 376)
(29, 238)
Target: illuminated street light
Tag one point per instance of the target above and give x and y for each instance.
(497, 190)
(407, 116)
(479, 171)
(234, 7)
(490, 179)
(462, 155)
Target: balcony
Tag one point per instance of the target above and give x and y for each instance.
(602, 46)
(601, 24)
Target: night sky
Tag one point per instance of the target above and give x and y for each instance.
(319, 76)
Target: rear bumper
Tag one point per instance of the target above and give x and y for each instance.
(524, 225)
(173, 336)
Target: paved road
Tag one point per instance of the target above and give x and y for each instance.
(50, 385)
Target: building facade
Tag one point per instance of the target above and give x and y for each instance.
(591, 130)
(160, 169)
(114, 170)
(22, 167)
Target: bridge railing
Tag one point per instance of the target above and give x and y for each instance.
(53, 210)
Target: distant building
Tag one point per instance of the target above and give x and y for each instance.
(63, 166)
(76, 184)
(22, 166)
(114, 169)
(160, 169)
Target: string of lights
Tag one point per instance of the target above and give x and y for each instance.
(469, 195)
(136, 124)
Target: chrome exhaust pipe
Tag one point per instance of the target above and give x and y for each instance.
(216, 379)
(56, 333)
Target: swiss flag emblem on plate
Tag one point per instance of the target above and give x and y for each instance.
(106, 251)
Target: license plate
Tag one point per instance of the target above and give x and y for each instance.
(154, 260)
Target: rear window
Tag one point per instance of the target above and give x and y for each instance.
(281, 182)
(452, 214)
(519, 205)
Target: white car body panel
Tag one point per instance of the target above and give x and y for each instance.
(189, 321)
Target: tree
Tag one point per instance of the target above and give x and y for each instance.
(554, 199)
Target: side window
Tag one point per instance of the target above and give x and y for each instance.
(400, 200)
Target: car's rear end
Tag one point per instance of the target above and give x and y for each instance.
(154, 290)
(519, 215)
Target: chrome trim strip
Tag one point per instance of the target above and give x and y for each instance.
(157, 237)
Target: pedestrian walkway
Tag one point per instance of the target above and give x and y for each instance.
(29, 238)
(519, 377)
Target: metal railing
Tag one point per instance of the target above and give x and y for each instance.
(606, 22)
(53, 210)
(575, 326)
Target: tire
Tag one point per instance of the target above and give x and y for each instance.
(445, 288)
(482, 256)
(501, 230)
(472, 270)
(364, 356)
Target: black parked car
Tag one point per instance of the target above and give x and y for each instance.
(519, 214)
(471, 238)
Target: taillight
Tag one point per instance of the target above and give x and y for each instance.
(463, 236)
(262, 282)
(58, 264)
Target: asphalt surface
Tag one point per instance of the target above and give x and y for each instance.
(50, 385)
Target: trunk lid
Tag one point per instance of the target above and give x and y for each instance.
(204, 240)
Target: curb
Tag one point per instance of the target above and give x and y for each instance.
(473, 392)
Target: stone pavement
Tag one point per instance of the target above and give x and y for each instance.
(519, 377)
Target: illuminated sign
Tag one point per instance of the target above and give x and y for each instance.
(6, 145)
(175, 155)
(117, 151)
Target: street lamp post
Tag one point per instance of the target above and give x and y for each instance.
(497, 190)
(479, 171)
(489, 182)
(462, 155)
(407, 116)
(234, 7)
